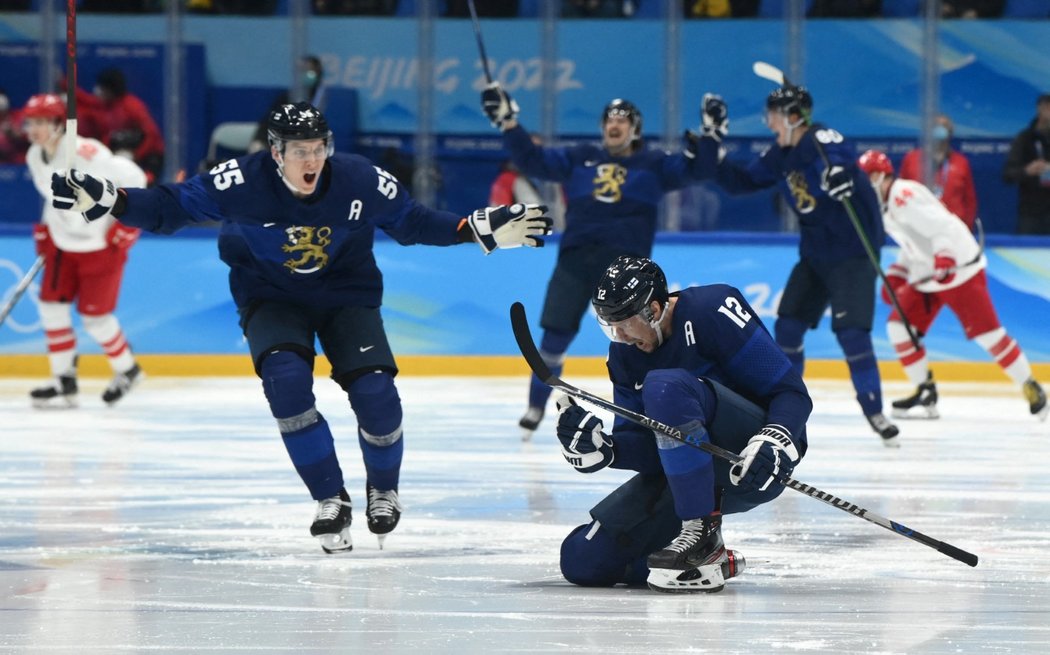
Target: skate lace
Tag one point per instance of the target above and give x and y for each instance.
(383, 503)
(329, 509)
(692, 532)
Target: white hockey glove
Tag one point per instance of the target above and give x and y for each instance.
(768, 455)
(583, 444)
(837, 183)
(91, 196)
(714, 116)
(510, 226)
(498, 106)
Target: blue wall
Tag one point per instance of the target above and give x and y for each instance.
(176, 300)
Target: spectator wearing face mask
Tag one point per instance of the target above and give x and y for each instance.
(952, 178)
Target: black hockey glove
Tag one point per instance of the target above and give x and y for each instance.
(837, 183)
(91, 196)
(583, 444)
(498, 106)
(714, 116)
(769, 455)
(510, 226)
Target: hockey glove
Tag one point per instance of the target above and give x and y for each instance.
(944, 268)
(510, 226)
(837, 183)
(769, 455)
(498, 106)
(123, 237)
(91, 196)
(714, 116)
(42, 240)
(583, 444)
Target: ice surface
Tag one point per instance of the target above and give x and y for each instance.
(174, 522)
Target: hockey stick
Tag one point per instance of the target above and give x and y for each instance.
(520, 324)
(773, 74)
(481, 45)
(27, 279)
(71, 84)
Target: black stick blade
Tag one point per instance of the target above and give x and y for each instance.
(520, 324)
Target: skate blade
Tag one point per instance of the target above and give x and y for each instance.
(381, 538)
(1041, 414)
(927, 413)
(336, 543)
(891, 442)
(667, 581)
(54, 403)
(526, 434)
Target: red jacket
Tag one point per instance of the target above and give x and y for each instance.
(953, 182)
(100, 120)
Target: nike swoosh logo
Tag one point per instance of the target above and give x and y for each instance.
(841, 314)
(269, 224)
(638, 386)
(365, 349)
(591, 162)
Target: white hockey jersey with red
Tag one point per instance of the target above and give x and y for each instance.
(69, 230)
(923, 228)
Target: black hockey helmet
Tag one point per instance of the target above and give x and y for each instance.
(298, 122)
(626, 109)
(627, 288)
(790, 100)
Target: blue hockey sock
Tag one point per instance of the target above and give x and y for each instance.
(863, 368)
(377, 406)
(288, 385)
(789, 333)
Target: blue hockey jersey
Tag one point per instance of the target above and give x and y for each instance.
(611, 201)
(715, 334)
(314, 251)
(827, 233)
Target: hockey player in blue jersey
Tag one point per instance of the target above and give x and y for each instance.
(699, 359)
(297, 230)
(612, 191)
(833, 267)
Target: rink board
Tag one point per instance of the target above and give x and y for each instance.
(446, 309)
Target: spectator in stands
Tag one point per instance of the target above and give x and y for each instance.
(597, 8)
(121, 6)
(952, 178)
(489, 8)
(355, 7)
(13, 144)
(122, 121)
(244, 7)
(311, 86)
(1028, 166)
(845, 9)
(721, 8)
(972, 8)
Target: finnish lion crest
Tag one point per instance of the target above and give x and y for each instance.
(309, 244)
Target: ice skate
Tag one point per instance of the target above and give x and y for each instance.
(885, 429)
(925, 398)
(61, 393)
(121, 384)
(1036, 398)
(530, 421)
(331, 523)
(383, 512)
(696, 561)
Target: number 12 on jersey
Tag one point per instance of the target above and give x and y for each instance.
(735, 311)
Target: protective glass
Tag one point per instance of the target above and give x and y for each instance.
(299, 151)
(626, 331)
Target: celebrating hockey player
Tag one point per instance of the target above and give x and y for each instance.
(83, 262)
(939, 264)
(612, 191)
(699, 359)
(298, 225)
(833, 266)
